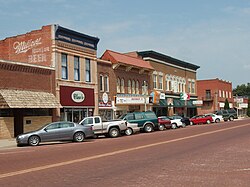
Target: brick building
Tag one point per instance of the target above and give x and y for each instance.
(123, 84)
(212, 93)
(170, 78)
(51, 64)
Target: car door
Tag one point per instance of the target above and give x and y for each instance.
(65, 131)
(50, 132)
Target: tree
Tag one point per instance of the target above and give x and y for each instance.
(242, 90)
(226, 106)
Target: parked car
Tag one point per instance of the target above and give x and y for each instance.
(147, 121)
(57, 131)
(132, 128)
(229, 114)
(176, 122)
(164, 122)
(183, 119)
(201, 119)
(216, 118)
(112, 128)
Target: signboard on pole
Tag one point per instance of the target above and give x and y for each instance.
(184, 96)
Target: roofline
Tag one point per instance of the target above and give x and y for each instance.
(162, 57)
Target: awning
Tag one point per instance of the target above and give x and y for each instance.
(163, 102)
(27, 99)
(181, 103)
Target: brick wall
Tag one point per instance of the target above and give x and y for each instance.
(35, 122)
(6, 127)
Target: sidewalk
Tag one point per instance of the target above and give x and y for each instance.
(7, 143)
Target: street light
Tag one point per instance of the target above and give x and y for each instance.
(144, 87)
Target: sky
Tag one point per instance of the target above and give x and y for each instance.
(214, 34)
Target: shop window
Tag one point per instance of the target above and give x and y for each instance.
(76, 68)
(87, 70)
(5, 113)
(37, 112)
(64, 64)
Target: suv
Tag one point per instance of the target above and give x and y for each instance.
(229, 114)
(147, 121)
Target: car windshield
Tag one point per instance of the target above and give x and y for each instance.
(122, 116)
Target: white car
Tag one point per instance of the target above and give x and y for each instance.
(176, 123)
(216, 118)
(132, 128)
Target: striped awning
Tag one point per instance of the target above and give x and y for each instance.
(27, 99)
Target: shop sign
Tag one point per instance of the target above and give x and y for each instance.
(105, 98)
(162, 96)
(78, 96)
(198, 102)
(130, 100)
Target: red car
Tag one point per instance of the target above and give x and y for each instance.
(201, 119)
(164, 122)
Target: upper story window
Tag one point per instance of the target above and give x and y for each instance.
(118, 85)
(106, 83)
(193, 87)
(87, 70)
(76, 68)
(208, 94)
(64, 64)
(101, 83)
(154, 81)
(219, 93)
(129, 86)
(133, 87)
(122, 86)
(160, 82)
(144, 88)
(137, 87)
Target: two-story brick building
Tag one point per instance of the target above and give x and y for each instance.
(213, 93)
(42, 67)
(170, 78)
(123, 84)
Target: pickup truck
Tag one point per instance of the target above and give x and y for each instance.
(112, 128)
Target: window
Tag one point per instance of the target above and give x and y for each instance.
(133, 87)
(87, 70)
(106, 83)
(160, 82)
(170, 85)
(219, 93)
(76, 68)
(226, 94)
(101, 83)
(137, 87)
(118, 85)
(122, 86)
(208, 94)
(155, 81)
(129, 86)
(193, 87)
(64, 62)
(97, 120)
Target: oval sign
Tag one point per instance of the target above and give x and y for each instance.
(105, 98)
(78, 96)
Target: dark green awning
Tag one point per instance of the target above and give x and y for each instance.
(163, 102)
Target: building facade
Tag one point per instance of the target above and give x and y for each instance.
(241, 105)
(171, 77)
(212, 95)
(123, 84)
(53, 70)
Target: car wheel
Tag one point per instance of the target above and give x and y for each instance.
(174, 126)
(231, 118)
(208, 121)
(114, 132)
(161, 127)
(129, 131)
(217, 120)
(148, 128)
(34, 140)
(191, 123)
(79, 137)
(183, 125)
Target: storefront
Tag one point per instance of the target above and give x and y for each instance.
(130, 103)
(77, 103)
(105, 107)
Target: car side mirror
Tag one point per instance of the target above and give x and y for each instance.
(45, 129)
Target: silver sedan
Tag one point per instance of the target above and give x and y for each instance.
(57, 131)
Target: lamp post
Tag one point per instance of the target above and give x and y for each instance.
(144, 87)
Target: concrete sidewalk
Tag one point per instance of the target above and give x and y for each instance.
(7, 143)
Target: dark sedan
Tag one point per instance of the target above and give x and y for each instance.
(57, 131)
(183, 119)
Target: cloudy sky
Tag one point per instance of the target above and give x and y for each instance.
(213, 34)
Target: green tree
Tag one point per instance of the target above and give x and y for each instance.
(226, 106)
(242, 90)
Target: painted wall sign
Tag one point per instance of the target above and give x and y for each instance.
(78, 96)
(24, 46)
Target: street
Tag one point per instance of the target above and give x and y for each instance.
(199, 155)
